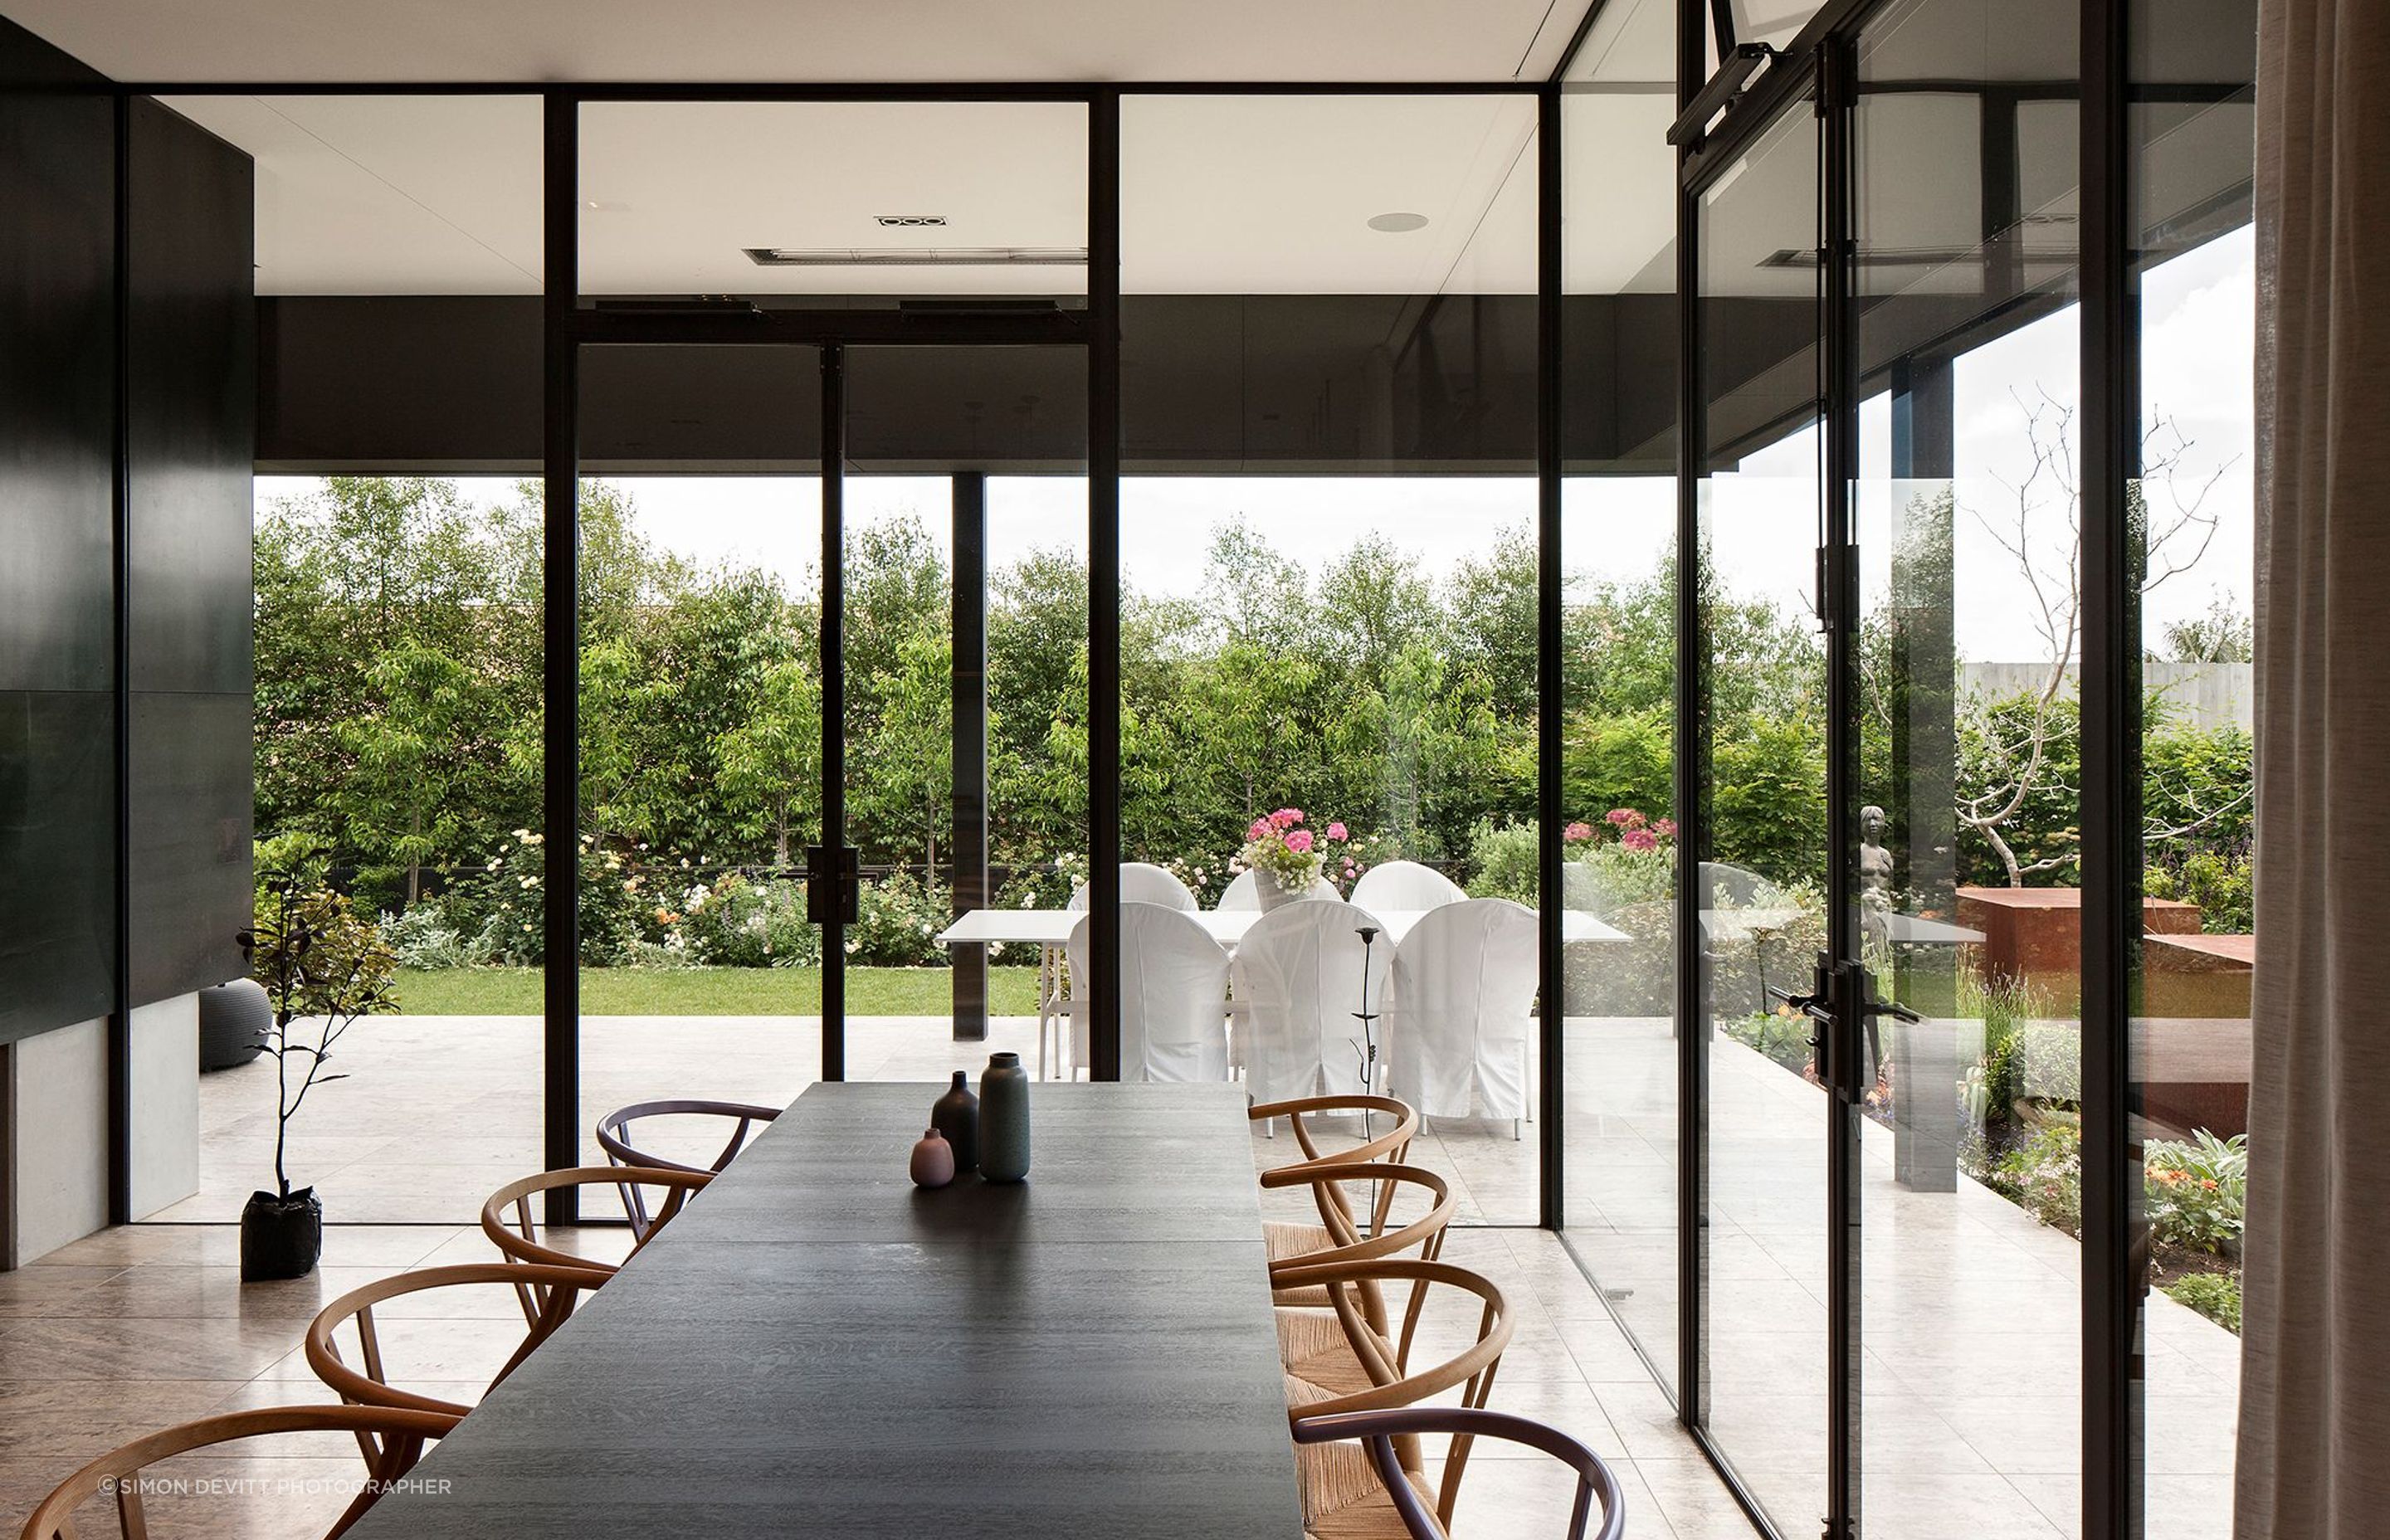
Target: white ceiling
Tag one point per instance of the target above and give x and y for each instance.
(441, 195)
(424, 41)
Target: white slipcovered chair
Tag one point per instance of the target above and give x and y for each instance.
(1459, 1011)
(1245, 893)
(1298, 975)
(1174, 986)
(1405, 885)
(1143, 882)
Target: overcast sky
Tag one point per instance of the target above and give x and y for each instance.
(2198, 336)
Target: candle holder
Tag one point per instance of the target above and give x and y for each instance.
(1365, 1046)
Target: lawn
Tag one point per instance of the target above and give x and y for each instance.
(708, 991)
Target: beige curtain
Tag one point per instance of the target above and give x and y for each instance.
(2314, 1398)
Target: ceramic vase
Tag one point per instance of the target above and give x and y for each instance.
(955, 1117)
(1003, 1119)
(934, 1160)
(1269, 891)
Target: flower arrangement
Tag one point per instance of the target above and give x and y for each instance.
(1277, 846)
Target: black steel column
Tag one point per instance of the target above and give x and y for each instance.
(2114, 1282)
(1552, 1013)
(1837, 66)
(1689, 757)
(969, 844)
(560, 601)
(119, 1017)
(827, 878)
(1103, 582)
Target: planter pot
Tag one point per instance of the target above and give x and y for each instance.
(280, 1237)
(1271, 892)
(234, 1019)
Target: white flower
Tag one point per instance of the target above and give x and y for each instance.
(530, 881)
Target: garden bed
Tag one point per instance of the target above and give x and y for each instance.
(707, 990)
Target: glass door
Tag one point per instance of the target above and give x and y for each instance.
(1760, 862)
(955, 742)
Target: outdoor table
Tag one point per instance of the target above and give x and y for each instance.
(816, 1347)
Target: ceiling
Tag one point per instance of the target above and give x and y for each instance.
(424, 41)
(1220, 194)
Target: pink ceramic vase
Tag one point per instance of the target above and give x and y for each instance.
(934, 1160)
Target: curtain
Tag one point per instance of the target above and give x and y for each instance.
(2315, 1420)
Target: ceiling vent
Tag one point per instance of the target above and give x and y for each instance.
(918, 256)
(910, 222)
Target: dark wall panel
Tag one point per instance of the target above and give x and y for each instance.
(190, 436)
(57, 649)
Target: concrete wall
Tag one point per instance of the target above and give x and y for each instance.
(165, 1103)
(57, 1086)
(2201, 695)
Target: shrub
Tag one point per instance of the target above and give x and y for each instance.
(502, 907)
(897, 921)
(1781, 1036)
(734, 922)
(2213, 1295)
(421, 936)
(2043, 1175)
(2220, 882)
(1506, 861)
(2196, 1190)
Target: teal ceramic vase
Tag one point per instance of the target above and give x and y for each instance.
(1003, 1119)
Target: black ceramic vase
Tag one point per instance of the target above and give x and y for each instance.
(280, 1237)
(955, 1117)
(1003, 1119)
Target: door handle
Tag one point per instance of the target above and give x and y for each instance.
(1844, 1008)
(833, 890)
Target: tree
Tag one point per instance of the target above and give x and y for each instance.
(771, 761)
(905, 770)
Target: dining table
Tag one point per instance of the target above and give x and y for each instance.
(814, 1346)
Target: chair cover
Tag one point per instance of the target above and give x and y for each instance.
(1143, 883)
(1174, 995)
(1298, 974)
(1244, 892)
(1459, 1008)
(1400, 885)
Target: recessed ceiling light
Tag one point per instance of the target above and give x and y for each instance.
(910, 222)
(1397, 224)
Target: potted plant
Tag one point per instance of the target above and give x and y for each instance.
(324, 969)
(1284, 856)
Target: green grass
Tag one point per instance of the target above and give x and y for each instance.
(707, 990)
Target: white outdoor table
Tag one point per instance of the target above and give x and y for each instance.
(1049, 931)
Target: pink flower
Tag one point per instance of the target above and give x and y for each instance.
(1625, 817)
(1666, 829)
(1299, 841)
(1578, 830)
(1638, 839)
(1260, 830)
(1336, 831)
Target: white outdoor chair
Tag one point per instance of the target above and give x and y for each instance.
(1298, 977)
(1143, 883)
(1400, 885)
(1459, 1008)
(1174, 983)
(1244, 893)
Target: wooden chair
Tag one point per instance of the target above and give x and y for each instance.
(1415, 1520)
(548, 1294)
(1294, 1239)
(1345, 1361)
(394, 1439)
(1343, 1236)
(614, 1131)
(507, 1218)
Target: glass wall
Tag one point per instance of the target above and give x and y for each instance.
(1618, 533)
(2193, 282)
(1329, 546)
(1969, 889)
(398, 634)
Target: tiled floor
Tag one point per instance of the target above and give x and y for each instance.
(149, 1325)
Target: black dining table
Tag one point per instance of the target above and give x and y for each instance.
(816, 1347)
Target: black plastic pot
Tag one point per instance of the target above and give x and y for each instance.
(280, 1237)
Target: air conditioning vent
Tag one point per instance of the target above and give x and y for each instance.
(918, 256)
(910, 222)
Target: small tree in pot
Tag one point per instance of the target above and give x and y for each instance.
(324, 969)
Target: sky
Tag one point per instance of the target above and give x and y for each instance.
(2198, 337)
